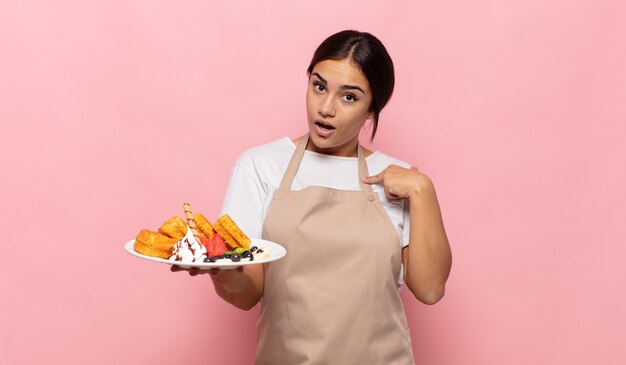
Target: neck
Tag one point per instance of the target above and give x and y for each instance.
(347, 150)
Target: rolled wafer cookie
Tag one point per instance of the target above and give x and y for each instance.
(190, 221)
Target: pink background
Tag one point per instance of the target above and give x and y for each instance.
(114, 113)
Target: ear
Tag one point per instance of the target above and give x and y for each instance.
(370, 117)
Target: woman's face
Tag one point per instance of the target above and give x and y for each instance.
(338, 99)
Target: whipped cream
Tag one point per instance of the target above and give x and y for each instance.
(188, 249)
(265, 252)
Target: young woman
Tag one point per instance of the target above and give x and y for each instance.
(356, 224)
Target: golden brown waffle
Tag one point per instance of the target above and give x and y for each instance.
(231, 233)
(174, 227)
(203, 224)
(154, 244)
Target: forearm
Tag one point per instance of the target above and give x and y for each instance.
(243, 290)
(428, 258)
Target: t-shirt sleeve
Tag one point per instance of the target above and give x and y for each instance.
(244, 199)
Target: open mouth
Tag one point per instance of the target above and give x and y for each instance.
(323, 125)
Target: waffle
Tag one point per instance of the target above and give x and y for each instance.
(174, 227)
(231, 233)
(154, 244)
(203, 224)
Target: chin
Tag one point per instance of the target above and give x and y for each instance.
(320, 142)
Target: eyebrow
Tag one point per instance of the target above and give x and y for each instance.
(342, 87)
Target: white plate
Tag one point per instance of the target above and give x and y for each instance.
(274, 250)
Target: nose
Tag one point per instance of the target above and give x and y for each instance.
(327, 106)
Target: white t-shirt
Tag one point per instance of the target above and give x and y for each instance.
(258, 172)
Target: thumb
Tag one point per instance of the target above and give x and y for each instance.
(374, 179)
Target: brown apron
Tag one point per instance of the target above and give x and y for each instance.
(333, 299)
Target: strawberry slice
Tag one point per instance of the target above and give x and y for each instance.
(216, 246)
(204, 242)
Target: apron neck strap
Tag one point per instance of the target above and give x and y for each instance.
(363, 171)
(296, 158)
(294, 163)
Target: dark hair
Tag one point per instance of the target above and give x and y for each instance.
(370, 55)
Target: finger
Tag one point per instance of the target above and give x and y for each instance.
(194, 271)
(175, 268)
(214, 272)
(391, 196)
(374, 179)
(414, 168)
(239, 269)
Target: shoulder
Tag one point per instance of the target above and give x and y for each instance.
(378, 161)
(266, 162)
(277, 150)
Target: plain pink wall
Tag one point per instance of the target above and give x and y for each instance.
(114, 113)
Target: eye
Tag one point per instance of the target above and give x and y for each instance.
(319, 87)
(350, 98)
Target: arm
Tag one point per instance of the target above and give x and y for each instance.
(242, 287)
(243, 201)
(427, 259)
